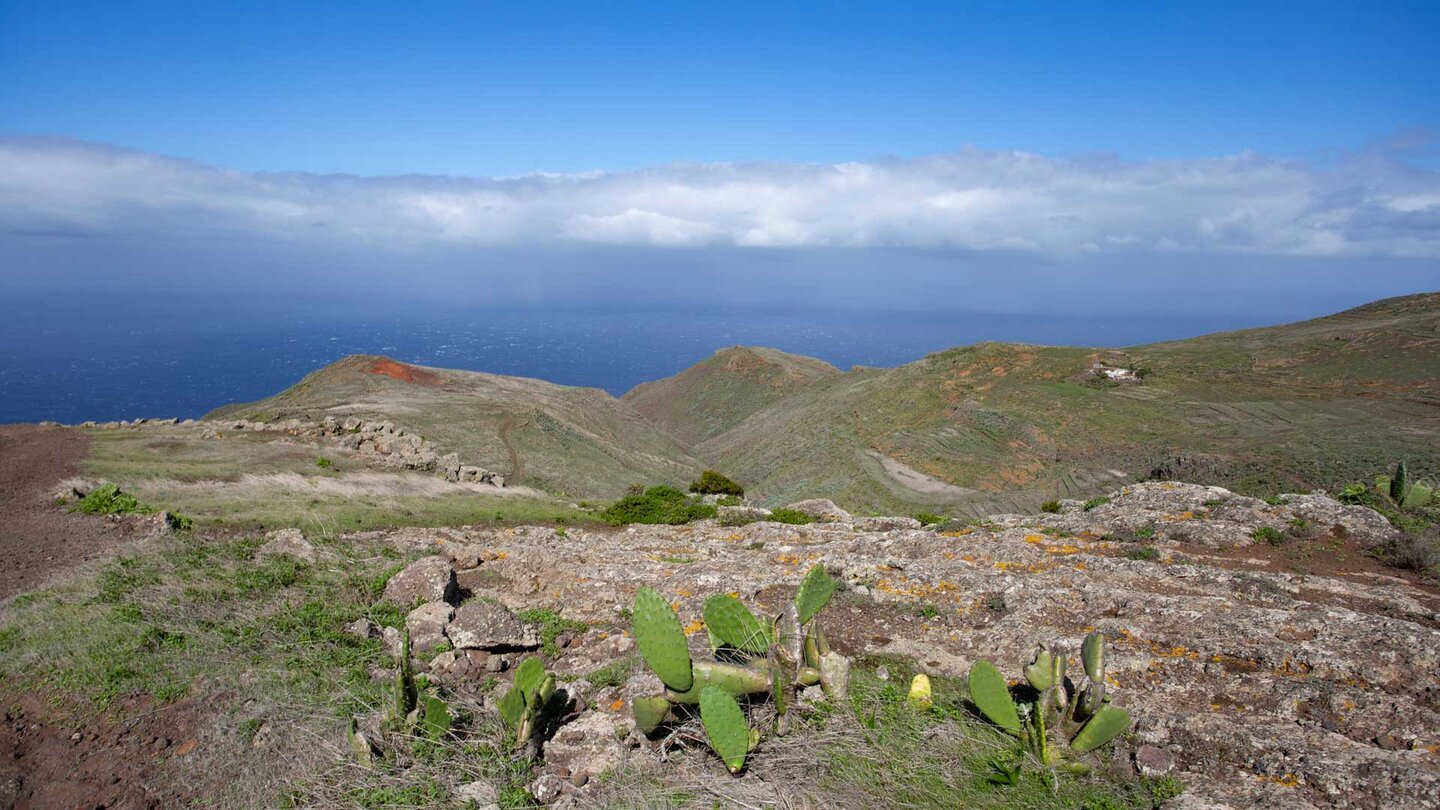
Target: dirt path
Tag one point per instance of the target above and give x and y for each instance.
(516, 470)
(37, 540)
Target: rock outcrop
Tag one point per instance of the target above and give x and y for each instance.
(1255, 685)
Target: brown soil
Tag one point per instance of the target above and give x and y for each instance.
(55, 753)
(37, 538)
(122, 756)
(406, 373)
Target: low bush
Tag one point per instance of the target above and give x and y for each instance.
(929, 518)
(1050, 506)
(107, 499)
(657, 505)
(713, 483)
(793, 517)
(324, 463)
(1272, 536)
(1094, 502)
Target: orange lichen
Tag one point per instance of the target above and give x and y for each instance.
(694, 627)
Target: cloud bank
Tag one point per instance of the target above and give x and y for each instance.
(972, 200)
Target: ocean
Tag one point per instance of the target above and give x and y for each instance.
(113, 358)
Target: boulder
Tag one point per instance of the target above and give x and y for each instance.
(740, 515)
(427, 625)
(480, 794)
(885, 524)
(822, 509)
(287, 543)
(428, 579)
(480, 624)
(584, 748)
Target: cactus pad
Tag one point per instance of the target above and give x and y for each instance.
(1092, 654)
(732, 678)
(1040, 672)
(649, 712)
(733, 624)
(919, 696)
(437, 718)
(992, 696)
(725, 726)
(1103, 727)
(815, 591)
(661, 640)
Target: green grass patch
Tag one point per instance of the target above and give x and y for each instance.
(551, 625)
(1094, 502)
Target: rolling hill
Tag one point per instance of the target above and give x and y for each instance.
(973, 430)
(720, 391)
(574, 441)
(1002, 427)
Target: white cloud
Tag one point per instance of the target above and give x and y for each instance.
(969, 200)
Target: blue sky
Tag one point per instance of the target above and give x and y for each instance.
(1004, 157)
(489, 89)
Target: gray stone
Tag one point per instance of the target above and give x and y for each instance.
(822, 509)
(429, 579)
(584, 748)
(484, 625)
(427, 625)
(483, 794)
(287, 543)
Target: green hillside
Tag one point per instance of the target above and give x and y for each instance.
(1002, 427)
(581, 442)
(720, 391)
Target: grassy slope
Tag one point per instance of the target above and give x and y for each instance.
(581, 442)
(720, 391)
(1317, 403)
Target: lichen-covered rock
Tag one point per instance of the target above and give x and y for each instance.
(822, 509)
(427, 626)
(480, 624)
(428, 579)
(740, 515)
(884, 524)
(584, 748)
(1266, 686)
(287, 543)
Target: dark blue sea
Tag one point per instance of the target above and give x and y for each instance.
(123, 358)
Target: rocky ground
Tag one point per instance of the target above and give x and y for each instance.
(1258, 671)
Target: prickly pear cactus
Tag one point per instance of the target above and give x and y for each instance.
(1092, 655)
(734, 625)
(649, 712)
(725, 726)
(1104, 726)
(436, 719)
(1040, 672)
(815, 591)
(992, 696)
(661, 640)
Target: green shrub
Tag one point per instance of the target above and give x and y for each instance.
(107, 499)
(713, 483)
(729, 500)
(1272, 536)
(1094, 502)
(1050, 506)
(929, 519)
(324, 463)
(793, 517)
(1148, 553)
(657, 505)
